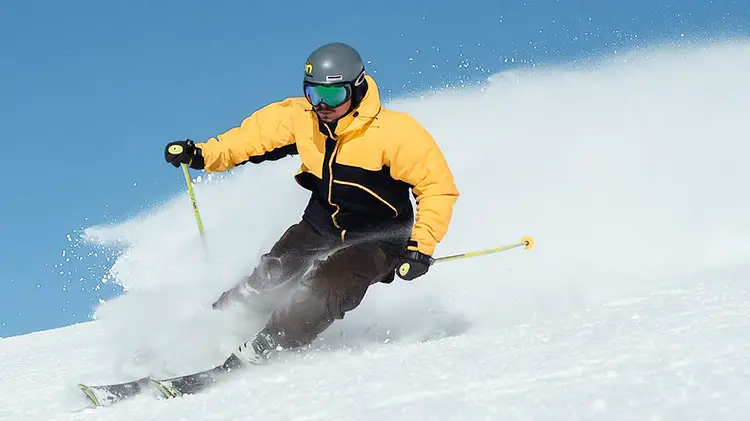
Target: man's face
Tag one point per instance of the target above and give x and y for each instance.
(329, 114)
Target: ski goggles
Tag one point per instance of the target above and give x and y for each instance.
(331, 95)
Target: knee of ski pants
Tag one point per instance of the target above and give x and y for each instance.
(320, 295)
(340, 282)
(331, 303)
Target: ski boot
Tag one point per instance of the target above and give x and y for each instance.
(255, 351)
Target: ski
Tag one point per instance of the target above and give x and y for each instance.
(195, 382)
(107, 395)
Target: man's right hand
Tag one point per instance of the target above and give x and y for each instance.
(184, 152)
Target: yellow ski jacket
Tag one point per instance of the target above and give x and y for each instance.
(359, 170)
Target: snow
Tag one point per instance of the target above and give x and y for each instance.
(630, 174)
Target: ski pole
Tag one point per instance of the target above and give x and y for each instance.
(192, 198)
(526, 242)
(177, 149)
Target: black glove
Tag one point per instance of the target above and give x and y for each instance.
(413, 264)
(184, 152)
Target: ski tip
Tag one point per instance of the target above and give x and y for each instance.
(89, 394)
(528, 242)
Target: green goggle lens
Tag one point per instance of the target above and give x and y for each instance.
(331, 95)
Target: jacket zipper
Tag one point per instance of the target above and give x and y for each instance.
(330, 180)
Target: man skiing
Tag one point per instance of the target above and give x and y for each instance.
(359, 161)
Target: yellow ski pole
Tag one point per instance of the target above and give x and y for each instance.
(192, 198)
(177, 149)
(526, 242)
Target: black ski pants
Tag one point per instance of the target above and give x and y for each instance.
(311, 279)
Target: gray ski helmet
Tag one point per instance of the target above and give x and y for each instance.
(335, 63)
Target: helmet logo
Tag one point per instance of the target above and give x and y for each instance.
(308, 69)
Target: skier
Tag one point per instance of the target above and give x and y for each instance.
(359, 161)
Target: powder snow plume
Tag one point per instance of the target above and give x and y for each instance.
(628, 172)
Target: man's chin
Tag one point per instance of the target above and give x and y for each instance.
(325, 117)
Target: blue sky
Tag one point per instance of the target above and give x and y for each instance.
(91, 91)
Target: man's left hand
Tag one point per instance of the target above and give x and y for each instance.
(413, 264)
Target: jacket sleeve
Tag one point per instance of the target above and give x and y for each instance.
(418, 161)
(266, 135)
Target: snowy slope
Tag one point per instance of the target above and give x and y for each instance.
(631, 175)
(673, 354)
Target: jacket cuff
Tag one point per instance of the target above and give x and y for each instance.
(414, 245)
(198, 162)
